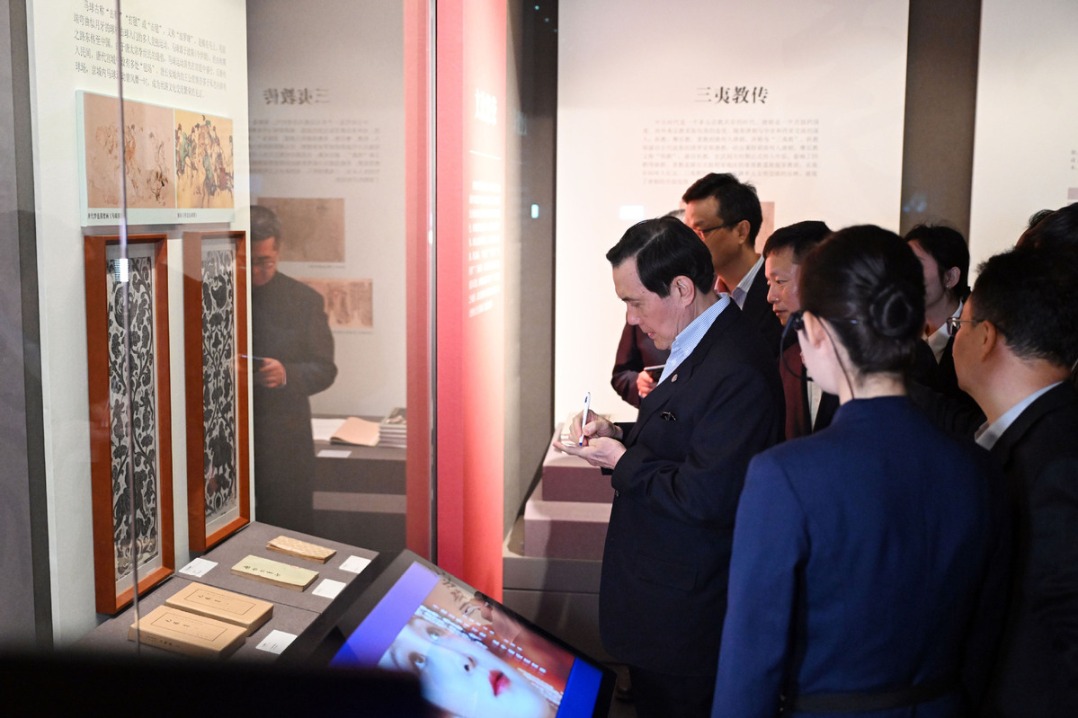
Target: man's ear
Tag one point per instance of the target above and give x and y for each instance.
(684, 289)
(741, 230)
(991, 339)
(951, 276)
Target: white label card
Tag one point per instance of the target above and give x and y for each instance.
(276, 641)
(199, 567)
(328, 588)
(355, 564)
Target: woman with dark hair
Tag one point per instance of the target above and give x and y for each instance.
(868, 557)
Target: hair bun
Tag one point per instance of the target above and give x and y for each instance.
(892, 314)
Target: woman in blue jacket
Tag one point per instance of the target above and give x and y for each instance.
(869, 559)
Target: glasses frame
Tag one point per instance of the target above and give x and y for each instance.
(953, 323)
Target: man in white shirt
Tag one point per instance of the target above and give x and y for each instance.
(1015, 351)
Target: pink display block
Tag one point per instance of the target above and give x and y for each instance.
(568, 478)
(565, 529)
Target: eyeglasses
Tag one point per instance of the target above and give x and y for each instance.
(704, 232)
(264, 262)
(953, 323)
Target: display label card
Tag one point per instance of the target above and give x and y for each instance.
(199, 567)
(334, 453)
(276, 641)
(355, 564)
(328, 588)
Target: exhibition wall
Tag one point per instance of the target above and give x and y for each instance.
(1025, 151)
(803, 100)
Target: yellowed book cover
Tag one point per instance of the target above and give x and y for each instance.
(300, 549)
(356, 431)
(183, 632)
(275, 572)
(246, 612)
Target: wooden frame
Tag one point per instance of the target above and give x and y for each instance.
(216, 371)
(111, 388)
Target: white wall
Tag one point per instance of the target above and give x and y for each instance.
(1025, 152)
(629, 72)
(54, 25)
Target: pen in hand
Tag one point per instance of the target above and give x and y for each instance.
(584, 417)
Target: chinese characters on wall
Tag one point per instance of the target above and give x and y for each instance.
(677, 151)
(344, 150)
(151, 54)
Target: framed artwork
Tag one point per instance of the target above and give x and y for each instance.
(164, 164)
(130, 425)
(216, 365)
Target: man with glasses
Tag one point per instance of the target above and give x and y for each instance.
(726, 215)
(1015, 353)
(293, 358)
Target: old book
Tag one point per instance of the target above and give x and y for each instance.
(300, 549)
(275, 572)
(183, 632)
(357, 432)
(235, 608)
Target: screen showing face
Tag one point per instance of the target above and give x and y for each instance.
(473, 658)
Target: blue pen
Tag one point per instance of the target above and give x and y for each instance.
(584, 417)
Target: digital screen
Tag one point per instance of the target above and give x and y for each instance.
(473, 656)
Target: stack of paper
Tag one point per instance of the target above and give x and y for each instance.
(393, 431)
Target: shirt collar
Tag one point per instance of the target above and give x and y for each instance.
(989, 434)
(741, 291)
(689, 337)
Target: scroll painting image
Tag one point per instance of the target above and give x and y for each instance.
(313, 228)
(348, 302)
(142, 145)
(204, 161)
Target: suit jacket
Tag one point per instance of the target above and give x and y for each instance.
(759, 313)
(636, 350)
(799, 420)
(289, 324)
(676, 491)
(1038, 674)
(861, 566)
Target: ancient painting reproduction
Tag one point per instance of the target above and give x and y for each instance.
(219, 362)
(133, 437)
(204, 157)
(137, 147)
(313, 229)
(348, 302)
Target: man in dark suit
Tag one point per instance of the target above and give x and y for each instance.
(808, 408)
(678, 470)
(726, 215)
(293, 356)
(1015, 353)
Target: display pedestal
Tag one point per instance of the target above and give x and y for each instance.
(305, 615)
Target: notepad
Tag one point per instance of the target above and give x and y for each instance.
(181, 632)
(235, 608)
(300, 549)
(275, 572)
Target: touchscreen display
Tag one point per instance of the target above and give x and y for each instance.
(473, 657)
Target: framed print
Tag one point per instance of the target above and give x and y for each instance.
(215, 349)
(130, 426)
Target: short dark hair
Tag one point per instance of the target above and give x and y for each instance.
(948, 247)
(737, 200)
(800, 236)
(664, 248)
(1030, 294)
(1052, 229)
(264, 224)
(868, 283)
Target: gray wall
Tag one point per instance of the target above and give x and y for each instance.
(24, 587)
